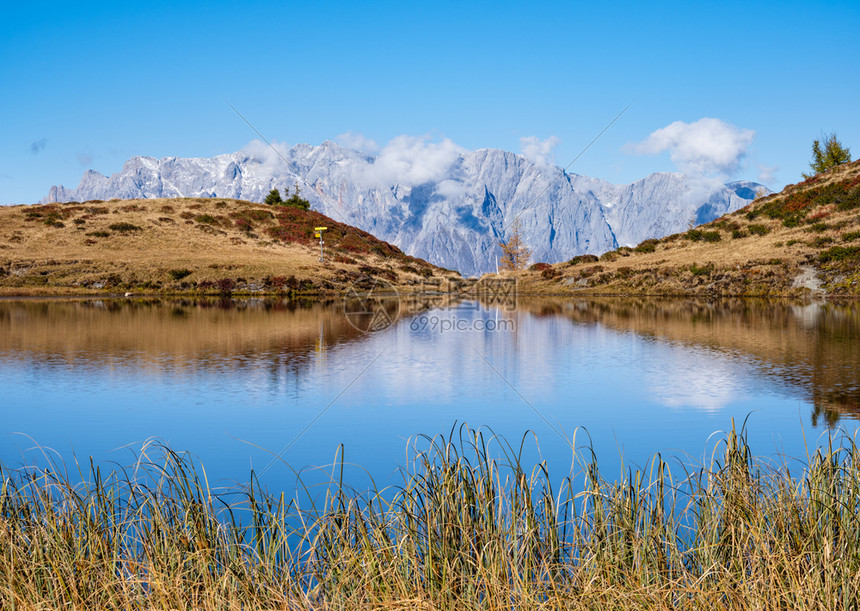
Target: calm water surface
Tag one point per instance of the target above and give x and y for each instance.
(237, 382)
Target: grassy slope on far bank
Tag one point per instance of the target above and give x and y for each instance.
(804, 241)
(192, 245)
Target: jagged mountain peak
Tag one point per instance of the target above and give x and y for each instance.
(437, 202)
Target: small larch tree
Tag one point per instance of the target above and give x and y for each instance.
(515, 253)
(827, 153)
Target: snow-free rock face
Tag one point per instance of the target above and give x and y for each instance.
(451, 210)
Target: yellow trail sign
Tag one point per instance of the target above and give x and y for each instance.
(320, 228)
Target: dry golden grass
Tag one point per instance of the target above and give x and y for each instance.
(72, 249)
(470, 527)
(758, 256)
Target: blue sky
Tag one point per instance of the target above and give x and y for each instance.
(88, 85)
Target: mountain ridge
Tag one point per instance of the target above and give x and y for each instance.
(445, 205)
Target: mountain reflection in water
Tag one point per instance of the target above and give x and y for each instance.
(235, 381)
(813, 347)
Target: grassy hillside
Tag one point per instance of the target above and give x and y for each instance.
(804, 241)
(192, 245)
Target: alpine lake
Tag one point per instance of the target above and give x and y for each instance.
(292, 391)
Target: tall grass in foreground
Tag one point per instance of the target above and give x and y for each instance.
(470, 527)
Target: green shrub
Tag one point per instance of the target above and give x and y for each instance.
(123, 227)
(694, 235)
(647, 246)
(583, 259)
(703, 270)
(253, 214)
(738, 233)
(179, 274)
(711, 236)
(820, 241)
(98, 234)
(850, 236)
(207, 219)
(758, 229)
(840, 253)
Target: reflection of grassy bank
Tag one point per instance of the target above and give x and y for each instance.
(813, 347)
(464, 531)
(169, 336)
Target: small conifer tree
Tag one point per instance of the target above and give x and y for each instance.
(827, 153)
(273, 198)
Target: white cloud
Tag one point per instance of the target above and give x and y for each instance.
(699, 189)
(357, 141)
(705, 147)
(411, 161)
(267, 155)
(406, 160)
(767, 173)
(537, 150)
(451, 188)
(692, 378)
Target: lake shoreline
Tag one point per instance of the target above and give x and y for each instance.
(533, 291)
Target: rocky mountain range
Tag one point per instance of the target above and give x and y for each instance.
(437, 201)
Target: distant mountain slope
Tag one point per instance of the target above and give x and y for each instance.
(451, 208)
